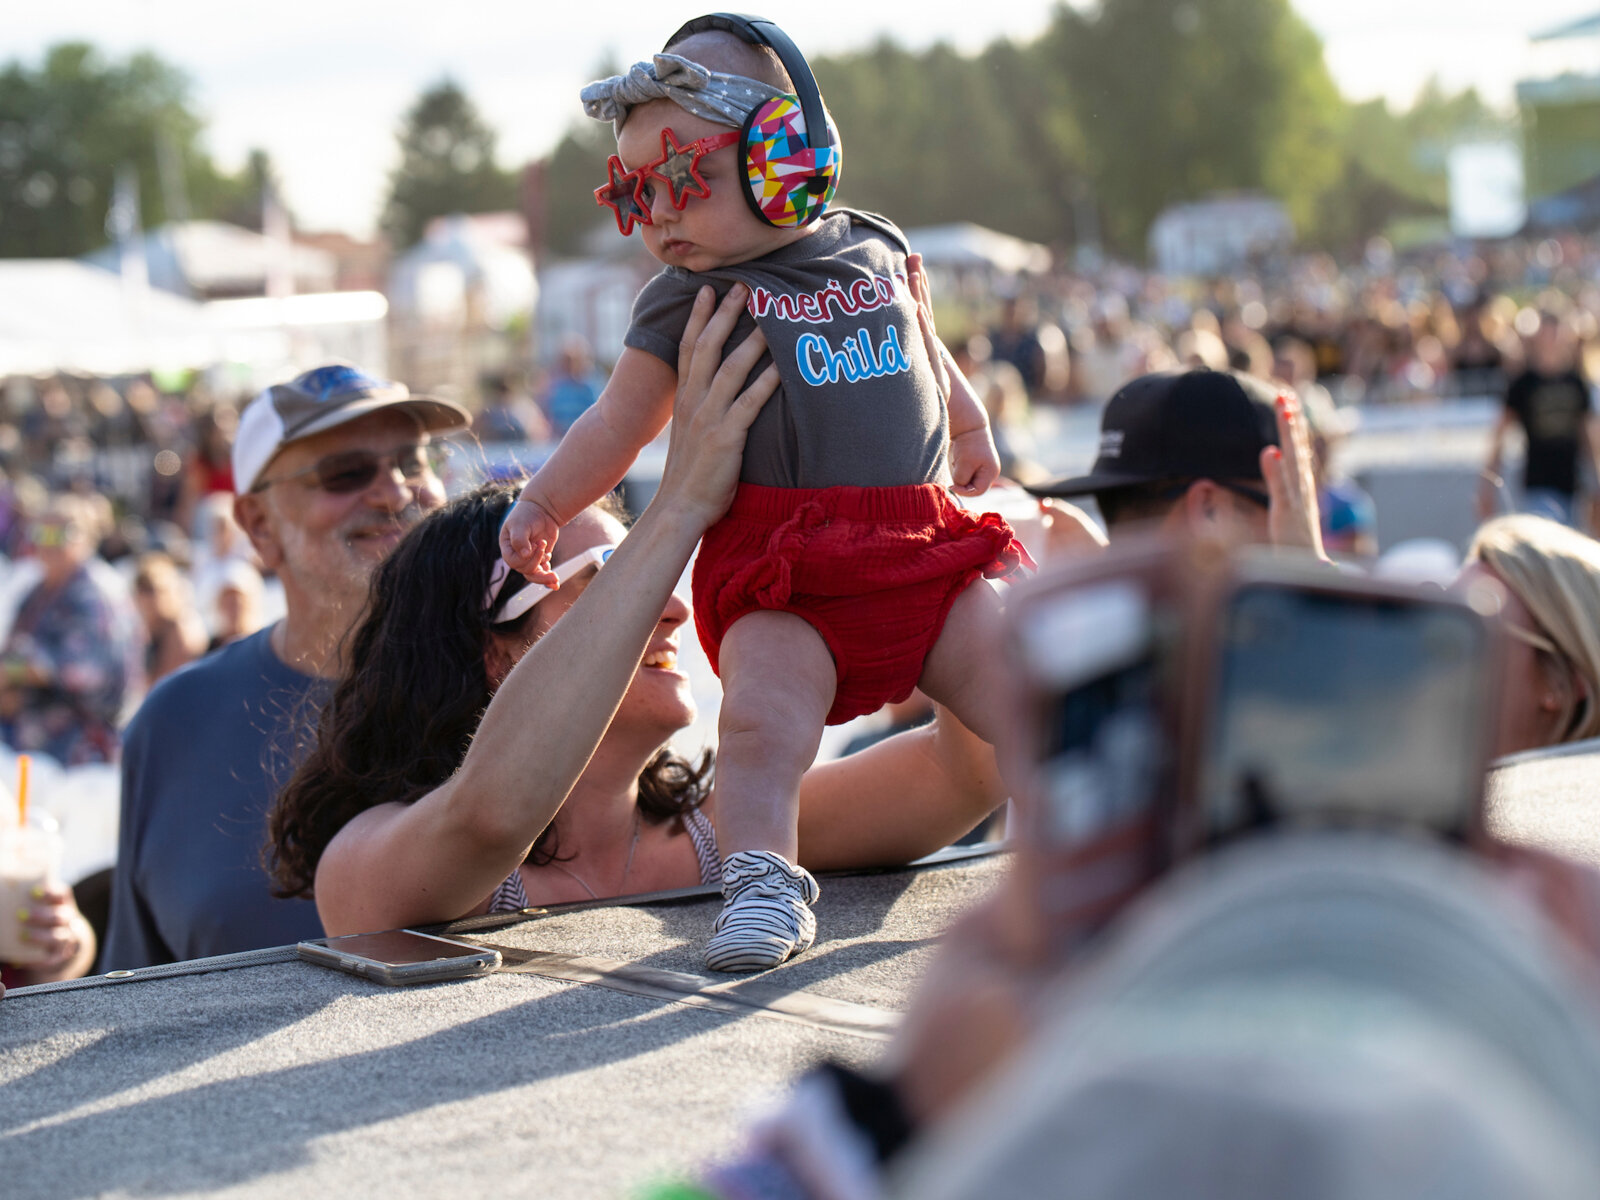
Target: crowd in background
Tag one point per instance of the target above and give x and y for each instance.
(1387, 328)
(147, 469)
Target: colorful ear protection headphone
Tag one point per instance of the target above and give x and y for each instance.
(791, 170)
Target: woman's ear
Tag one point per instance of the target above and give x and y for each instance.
(497, 660)
(1564, 699)
(502, 651)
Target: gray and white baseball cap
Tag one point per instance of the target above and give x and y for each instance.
(1324, 1015)
(322, 399)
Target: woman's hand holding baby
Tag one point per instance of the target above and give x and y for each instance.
(713, 409)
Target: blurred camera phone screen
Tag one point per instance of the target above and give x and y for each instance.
(1333, 706)
(1092, 657)
(400, 956)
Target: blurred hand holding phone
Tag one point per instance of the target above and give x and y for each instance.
(1174, 696)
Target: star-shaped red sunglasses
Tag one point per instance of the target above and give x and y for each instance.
(678, 167)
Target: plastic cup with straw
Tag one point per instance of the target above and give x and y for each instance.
(30, 856)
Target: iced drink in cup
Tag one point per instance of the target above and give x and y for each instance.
(30, 855)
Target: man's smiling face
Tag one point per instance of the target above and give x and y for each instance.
(327, 544)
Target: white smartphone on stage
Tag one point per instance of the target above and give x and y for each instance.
(400, 956)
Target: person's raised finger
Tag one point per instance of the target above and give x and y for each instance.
(917, 277)
(742, 359)
(1292, 437)
(715, 334)
(1272, 472)
(749, 402)
(699, 315)
(704, 352)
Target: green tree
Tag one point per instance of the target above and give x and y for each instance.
(1113, 114)
(1179, 100)
(67, 126)
(1397, 162)
(447, 165)
(239, 200)
(933, 137)
(572, 172)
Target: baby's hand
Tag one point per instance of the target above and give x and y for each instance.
(974, 462)
(527, 536)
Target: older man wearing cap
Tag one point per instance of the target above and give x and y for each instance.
(331, 469)
(1216, 454)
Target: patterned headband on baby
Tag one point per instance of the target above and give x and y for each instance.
(725, 99)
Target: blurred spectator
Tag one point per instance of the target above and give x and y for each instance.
(1014, 339)
(1551, 403)
(71, 661)
(235, 605)
(1479, 360)
(220, 543)
(207, 471)
(506, 415)
(1550, 672)
(50, 423)
(1349, 518)
(1199, 346)
(20, 497)
(999, 387)
(174, 632)
(1103, 354)
(574, 385)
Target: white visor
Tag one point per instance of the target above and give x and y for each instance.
(518, 603)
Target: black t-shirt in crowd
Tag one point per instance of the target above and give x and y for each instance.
(1552, 410)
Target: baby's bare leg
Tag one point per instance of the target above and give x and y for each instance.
(961, 671)
(778, 681)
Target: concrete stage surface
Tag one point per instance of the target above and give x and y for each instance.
(602, 1057)
(291, 1080)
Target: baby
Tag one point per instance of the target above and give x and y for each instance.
(841, 577)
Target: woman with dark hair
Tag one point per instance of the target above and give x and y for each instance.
(494, 743)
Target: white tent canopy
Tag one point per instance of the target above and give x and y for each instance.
(965, 246)
(64, 315)
(59, 314)
(214, 259)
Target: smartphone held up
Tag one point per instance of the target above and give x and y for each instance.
(1173, 697)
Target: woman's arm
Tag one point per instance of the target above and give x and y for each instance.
(897, 800)
(438, 858)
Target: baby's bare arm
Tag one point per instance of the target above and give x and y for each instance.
(967, 413)
(602, 444)
(974, 462)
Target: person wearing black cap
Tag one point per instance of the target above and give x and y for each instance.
(1216, 454)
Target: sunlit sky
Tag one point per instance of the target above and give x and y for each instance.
(322, 85)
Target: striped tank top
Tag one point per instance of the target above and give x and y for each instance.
(511, 896)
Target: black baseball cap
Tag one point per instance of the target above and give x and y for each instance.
(1175, 425)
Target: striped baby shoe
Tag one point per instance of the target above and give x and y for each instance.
(766, 912)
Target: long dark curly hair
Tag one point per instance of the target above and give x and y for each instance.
(405, 711)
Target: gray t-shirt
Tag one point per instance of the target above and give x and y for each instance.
(858, 404)
(202, 760)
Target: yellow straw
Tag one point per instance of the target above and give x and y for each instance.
(23, 763)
